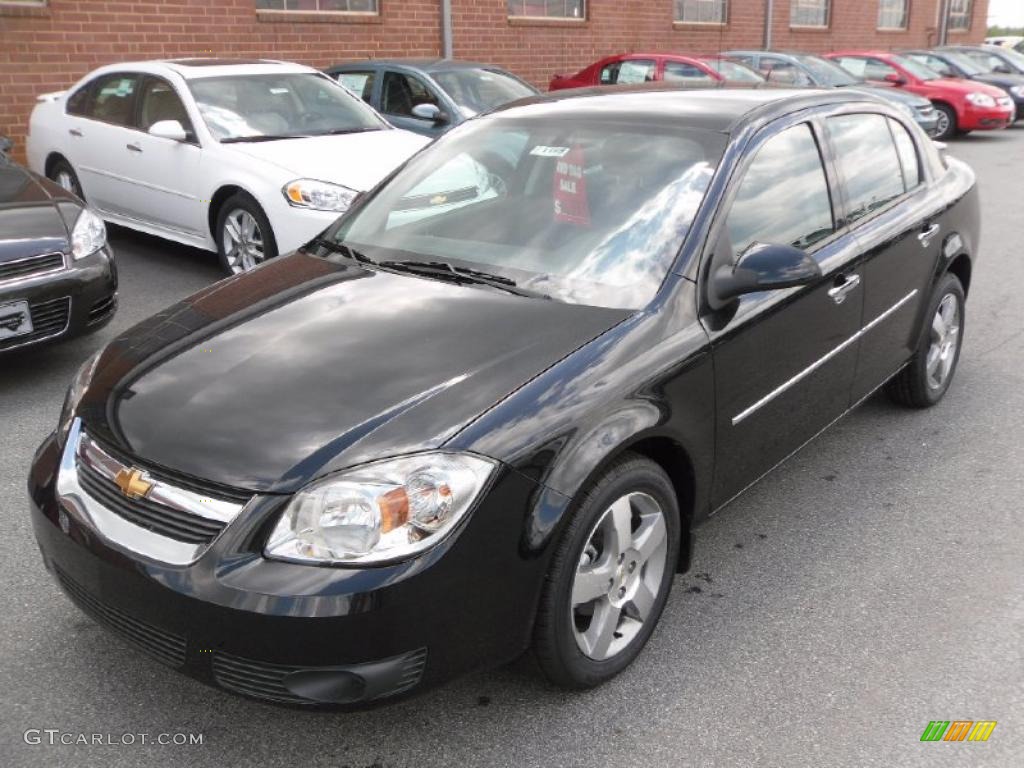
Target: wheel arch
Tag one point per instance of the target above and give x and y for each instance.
(52, 159)
(218, 199)
(961, 267)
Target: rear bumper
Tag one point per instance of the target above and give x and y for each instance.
(78, 299)
(297, 634)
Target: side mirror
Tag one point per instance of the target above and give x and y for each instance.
(430, 112)
(168, 129)
(5, 146)
(764, 267)
(895, 79)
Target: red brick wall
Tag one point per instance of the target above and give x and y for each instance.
(46, 49)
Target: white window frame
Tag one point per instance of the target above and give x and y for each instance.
(24, 3)
(960, 13)
(322, 11)
(889, 8)
(796, 5)
(565, 17)
(680, 8)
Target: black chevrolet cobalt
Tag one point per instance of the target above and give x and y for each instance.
(57, 275)
(485, 411)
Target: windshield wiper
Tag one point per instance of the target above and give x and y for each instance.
(343, 131)
(444, 270)
(345, 250)
(263, 137)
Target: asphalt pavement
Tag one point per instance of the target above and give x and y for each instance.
(872, 584)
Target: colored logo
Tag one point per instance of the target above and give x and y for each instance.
(958, 730)
(131, 483)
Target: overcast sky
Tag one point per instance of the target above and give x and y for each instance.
(1007, 13)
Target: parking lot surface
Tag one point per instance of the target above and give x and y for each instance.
(871, 585)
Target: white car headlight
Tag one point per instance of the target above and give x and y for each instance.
(319, 195)
(88, 236)
(1018, 91)
(981, 100)
(379, 512)
(74, 396)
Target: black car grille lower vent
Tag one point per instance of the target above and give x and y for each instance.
(33, 265)
(165, 647)
(266, 681)
(102, 309)
(172, 523)
(49, 318)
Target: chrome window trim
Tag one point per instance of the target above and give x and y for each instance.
(787, 385)
(115, 529)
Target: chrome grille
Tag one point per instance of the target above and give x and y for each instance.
(163, 646)
(32, 266)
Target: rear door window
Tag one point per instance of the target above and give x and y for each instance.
(114, 99)
(869, 165)
(907, 151)
(784, 197)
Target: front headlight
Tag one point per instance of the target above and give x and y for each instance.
(1018, 91)
(981, 100)
(74, 396)
(319, 195)
(89, 234)
(379, 512)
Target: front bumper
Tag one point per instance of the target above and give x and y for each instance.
(298, 634)
(80, 298)
(975, 118)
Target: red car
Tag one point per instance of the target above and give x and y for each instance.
(963, 105)
(627, 68)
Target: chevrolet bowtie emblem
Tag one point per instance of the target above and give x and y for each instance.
(131, 483)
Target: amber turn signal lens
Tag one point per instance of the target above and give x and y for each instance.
(394, 509)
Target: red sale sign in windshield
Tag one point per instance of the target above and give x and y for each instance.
(570, 188)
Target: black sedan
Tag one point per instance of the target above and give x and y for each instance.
(487, 410)
(950, 62)
(57, 276)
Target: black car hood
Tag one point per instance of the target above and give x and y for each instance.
(30, 223)
(306, 365)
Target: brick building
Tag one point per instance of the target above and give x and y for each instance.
(46, 45)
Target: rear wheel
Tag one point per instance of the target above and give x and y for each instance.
(925, 379)
(946, 127)
(610, 576)
(244, 236)
(62, 173)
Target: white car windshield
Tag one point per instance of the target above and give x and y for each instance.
(584, 211)
(279, 106)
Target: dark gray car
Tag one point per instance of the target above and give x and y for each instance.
(430, 96)
(804, 69)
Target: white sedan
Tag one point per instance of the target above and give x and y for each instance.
(248, 159)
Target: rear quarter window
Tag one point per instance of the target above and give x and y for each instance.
(868, 163)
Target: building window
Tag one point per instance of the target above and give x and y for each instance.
(29, 3)
(547, 9)
(321, 6)
(701, 11)
(960, 15)
(892, 14)
(808, 13)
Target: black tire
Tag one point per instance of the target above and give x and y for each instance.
(63, 174)
(948, 114)
(242, 204)
(913, 386)
(554, 639)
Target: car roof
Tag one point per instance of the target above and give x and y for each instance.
(426, 65)
(194, 69)
(717, 107)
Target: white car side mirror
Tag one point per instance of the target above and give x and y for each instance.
(429, 112)
(168, 129)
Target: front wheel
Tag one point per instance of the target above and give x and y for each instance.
(610, 576)
(925, 379)
(245, 238)
(65, 176)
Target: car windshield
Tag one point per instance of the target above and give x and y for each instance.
(916, 68)
(481, 90)
(730, 70)
(1014, 57)
(273, 106)
(827, 73)
(965, 63)
(587, 211)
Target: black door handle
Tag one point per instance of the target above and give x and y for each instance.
(134, 148)
(75, 132)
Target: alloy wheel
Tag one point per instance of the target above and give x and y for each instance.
(945, 340)
(619, 575)
(242, 240)
(942, 126)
